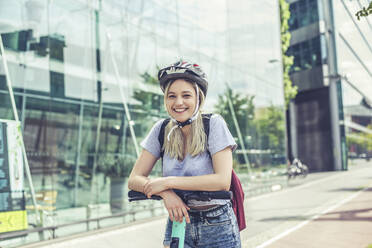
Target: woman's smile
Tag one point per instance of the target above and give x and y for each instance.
(180, 110)
(181, 100)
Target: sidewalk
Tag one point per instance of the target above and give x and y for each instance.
(349, 225)
(332, 209)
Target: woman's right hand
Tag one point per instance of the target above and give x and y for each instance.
(177, 209)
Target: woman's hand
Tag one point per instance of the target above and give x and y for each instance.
(177, 209)
(155, 186)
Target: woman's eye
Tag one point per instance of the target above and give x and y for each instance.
(171, 96)
(187, 95)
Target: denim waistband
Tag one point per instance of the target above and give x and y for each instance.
(196, 212)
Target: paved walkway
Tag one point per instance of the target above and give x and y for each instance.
(344, 221)
(347, 225)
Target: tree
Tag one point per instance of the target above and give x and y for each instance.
(360, 142)
(150, 104)
(261, 129)
(290, 91)
(271, 126)
(244, 112)
(364, 11)
(150, 100)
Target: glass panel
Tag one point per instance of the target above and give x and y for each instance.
(313, 11)
(77, 66)
(315, 51)
(306, 54)
(303, 13)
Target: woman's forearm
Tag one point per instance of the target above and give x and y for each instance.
(212, 182)
(137, 183)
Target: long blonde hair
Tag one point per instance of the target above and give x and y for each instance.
(196, 143)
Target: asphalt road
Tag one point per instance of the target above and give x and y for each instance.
(268, 216)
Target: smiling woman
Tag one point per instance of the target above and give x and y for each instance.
(191, 161)
(181, 100)
(74, 103)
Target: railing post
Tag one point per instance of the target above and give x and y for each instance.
(88, 214)
(41, 224)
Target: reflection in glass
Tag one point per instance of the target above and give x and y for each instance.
(63, 73)
(307, 54)
(303, 13)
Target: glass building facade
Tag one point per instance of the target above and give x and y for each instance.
(331, 47)
(303, 13)
(84, 80)
(354, 57)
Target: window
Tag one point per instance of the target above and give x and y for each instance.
(306, 54)
(293, 22)
(3, 85)
(17, 41)
(57, 84)
(303, 13)
(315, 51)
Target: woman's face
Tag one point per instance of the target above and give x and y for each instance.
(181, 100)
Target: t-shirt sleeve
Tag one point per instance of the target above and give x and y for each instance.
(219, 135)
(151, 142)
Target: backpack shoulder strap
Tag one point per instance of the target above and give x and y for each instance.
(161, 135)
(206, 122)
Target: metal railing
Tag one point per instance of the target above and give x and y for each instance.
(53, 228)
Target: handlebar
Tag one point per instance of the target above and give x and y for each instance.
(184, 195)
(138, 196)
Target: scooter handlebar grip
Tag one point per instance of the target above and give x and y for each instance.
(138, 196)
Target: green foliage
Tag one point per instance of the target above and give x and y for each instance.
(147, 78)
(116, 165)
(150, 100)
(263, 132)
(290, 91)
(244, 111)
(361, 142)
(271, 126)
(364, 12)
(285, 14)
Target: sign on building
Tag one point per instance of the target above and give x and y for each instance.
(13, 216)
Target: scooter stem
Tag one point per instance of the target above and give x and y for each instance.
(178, 234)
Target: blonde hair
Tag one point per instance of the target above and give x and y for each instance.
(197, 141)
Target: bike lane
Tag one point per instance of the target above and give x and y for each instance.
(348, 224)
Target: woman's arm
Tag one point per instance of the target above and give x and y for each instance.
(220, 180)
(141, 169)
(138, 178)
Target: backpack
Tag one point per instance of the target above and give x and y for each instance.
(235, 187)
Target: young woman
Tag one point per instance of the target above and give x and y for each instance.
(187, 165)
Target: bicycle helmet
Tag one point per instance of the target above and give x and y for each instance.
(184, 70)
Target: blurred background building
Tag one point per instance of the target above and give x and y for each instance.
(84, 80)
(331, 116)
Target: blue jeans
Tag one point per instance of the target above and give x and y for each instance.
(215, 227)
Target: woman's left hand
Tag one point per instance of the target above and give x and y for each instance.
(155, 186)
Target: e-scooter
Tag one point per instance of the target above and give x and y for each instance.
(178, 229)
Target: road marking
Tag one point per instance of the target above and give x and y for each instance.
(332, 207)
(295, 187)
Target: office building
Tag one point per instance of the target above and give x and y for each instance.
(333, 70)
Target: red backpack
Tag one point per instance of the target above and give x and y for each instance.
(238, 200)
(235, 187)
